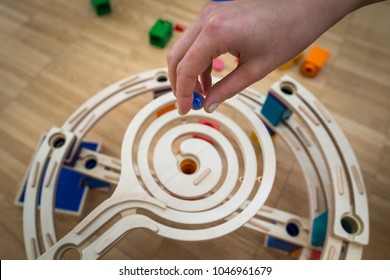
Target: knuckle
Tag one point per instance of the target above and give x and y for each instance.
(207, 10)
(180, 69)
(255, 71)
(213, 17)
(215, 23)
(183, 70)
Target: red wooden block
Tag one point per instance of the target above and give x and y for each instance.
(315, 255)
(179, 28)
(209, 123)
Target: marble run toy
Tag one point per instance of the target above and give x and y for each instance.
(72, 186)
(184, 188)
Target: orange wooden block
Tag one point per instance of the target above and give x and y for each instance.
(166, 110)
(314, 61)
(296, 253)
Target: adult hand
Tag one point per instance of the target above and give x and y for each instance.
(263, 34)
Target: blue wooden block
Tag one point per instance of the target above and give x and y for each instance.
(70, 193)
(270, 130)
(318, 233)
(93, 183)
(71, 187)
(276, 243)
(274, 110)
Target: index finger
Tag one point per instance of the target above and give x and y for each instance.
(195, 62)
(177, 52)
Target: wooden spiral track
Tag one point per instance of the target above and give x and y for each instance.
(182, 187)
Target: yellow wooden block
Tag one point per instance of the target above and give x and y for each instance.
(296, 253)
(254, 139)
(292, 62)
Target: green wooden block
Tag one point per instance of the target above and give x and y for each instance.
(102, 7)
(160, 33)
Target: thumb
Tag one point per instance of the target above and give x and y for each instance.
(240, 78)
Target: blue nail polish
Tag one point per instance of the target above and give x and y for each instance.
(197, 101)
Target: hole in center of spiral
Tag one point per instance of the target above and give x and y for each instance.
(188, 166)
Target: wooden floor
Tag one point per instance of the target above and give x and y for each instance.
(55, 54)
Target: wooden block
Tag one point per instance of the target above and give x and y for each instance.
(71, 185)
(208, 123)
(274, 110)
(179, 28)
(314, 61)
(102, 7)
(160, 33)
(320, 224)
(276, 243)
(254, 138)
(166, 110)
(315, 255)
(296, 253)
(292, 62)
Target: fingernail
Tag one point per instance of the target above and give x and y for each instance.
(212, 107)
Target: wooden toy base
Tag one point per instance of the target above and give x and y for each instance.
(186, 188)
